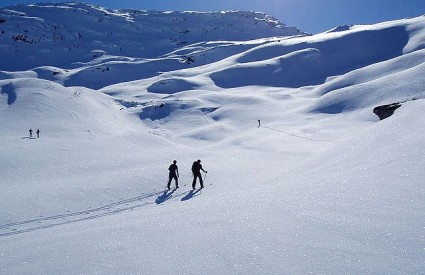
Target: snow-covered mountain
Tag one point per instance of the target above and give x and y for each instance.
(302, 176)
(67, 34)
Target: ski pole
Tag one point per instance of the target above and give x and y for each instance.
(205, 177)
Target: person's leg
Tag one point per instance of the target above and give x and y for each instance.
(169, 181)
(194, 181)
(177, 181)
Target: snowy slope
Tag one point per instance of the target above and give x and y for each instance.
(322, 186)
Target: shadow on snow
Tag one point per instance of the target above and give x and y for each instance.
(165, 196)
(191, 194)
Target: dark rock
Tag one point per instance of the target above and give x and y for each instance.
(385, 111)
(189, 60)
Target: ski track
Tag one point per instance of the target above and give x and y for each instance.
(19, 227)
(307, 138)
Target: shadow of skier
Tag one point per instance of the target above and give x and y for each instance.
(191, 194)
(165, 196)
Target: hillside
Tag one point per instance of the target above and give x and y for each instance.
(322, 185)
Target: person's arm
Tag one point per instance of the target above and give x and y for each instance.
(203, 169)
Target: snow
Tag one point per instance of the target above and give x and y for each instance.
(322, 186)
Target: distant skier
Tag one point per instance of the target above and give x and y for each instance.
(38, 133)
(174, 174)
(196, 170)
(30, 130)
(259, 123)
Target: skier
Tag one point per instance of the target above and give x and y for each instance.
(174, 174)
(259, 123)
(38, 133)
(196, 170)
(30, 133)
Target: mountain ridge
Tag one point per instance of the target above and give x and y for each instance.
(67, 30)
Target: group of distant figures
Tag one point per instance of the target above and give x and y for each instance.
(196, 170)
(36, 132)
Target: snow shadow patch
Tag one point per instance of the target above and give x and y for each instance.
(110, 73)
(333, 107)
(165, 109)
(10, 92)
(156, 112)
(172, 86)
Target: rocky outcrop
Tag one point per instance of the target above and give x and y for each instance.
(385, 111)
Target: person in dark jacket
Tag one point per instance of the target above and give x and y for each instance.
(174, 174)
(196, 170)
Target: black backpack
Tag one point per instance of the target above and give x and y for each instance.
(195, 167)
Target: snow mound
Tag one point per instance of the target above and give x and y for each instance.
(311, 62)
(62, 110)
(397, 80)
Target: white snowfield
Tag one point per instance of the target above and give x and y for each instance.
(322, 186)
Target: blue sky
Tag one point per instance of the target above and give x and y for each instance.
(308, 15)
